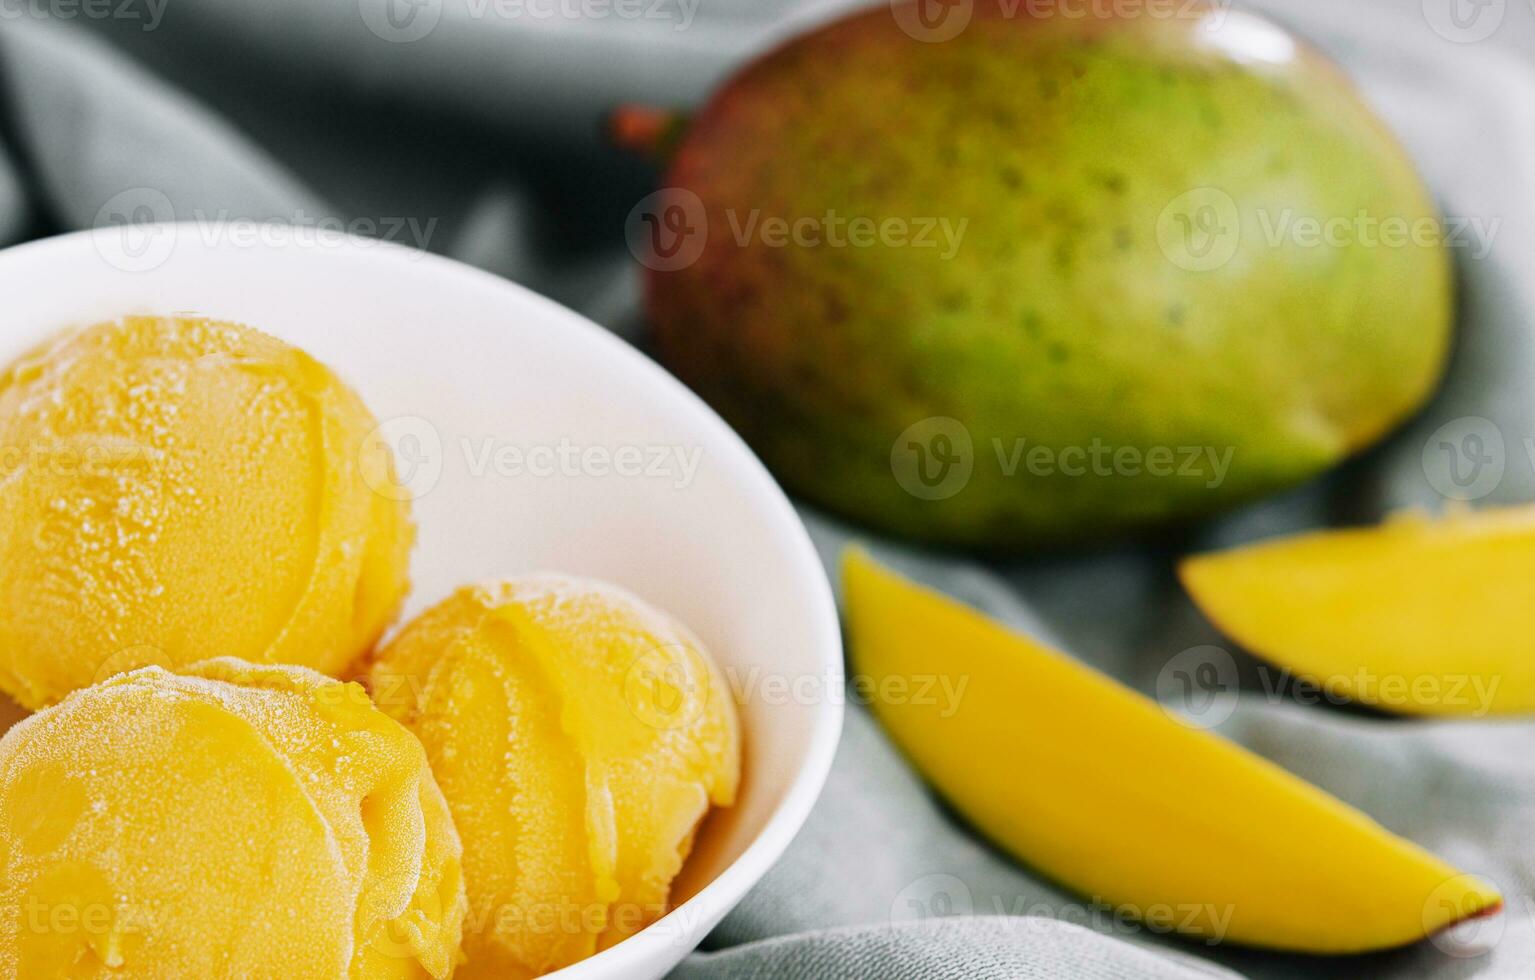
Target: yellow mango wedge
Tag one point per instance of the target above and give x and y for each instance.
(1099, 788)
(1420, 615)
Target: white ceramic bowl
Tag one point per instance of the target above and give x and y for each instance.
(481, 383)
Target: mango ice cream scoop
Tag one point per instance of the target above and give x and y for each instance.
(579, 736)
(230, 820)
(171, 487)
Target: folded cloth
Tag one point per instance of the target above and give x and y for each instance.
(960, 948)
(459, 126)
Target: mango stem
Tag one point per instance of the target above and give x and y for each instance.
(646, 131)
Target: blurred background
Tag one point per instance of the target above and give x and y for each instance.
(484, 121)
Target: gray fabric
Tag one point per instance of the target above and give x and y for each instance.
(1018, 948)
(100, 131)
(485, 132)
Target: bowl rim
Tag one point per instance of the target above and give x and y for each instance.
(702, 910)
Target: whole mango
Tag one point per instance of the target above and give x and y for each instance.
(1006, 274)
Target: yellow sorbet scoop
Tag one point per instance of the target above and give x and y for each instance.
(173, 486)
(579, 736)
(231, 820)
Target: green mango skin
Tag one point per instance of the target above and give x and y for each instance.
(1062, 319)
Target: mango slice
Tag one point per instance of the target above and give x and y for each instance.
(1101, 789)
(175, 486)
(1419, 615)
(579, 735)
(231, 820)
